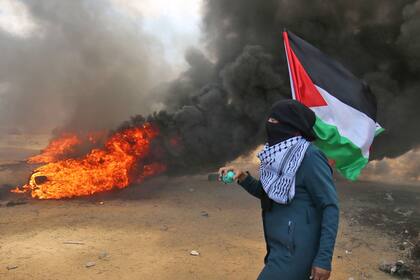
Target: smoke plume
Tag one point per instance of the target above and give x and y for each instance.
(218, 107)
(85, 66)
(91, 66)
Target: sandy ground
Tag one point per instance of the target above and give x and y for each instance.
(148, 231)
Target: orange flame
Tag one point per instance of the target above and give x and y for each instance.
(57, 147)
(66, 144)
(118, 164)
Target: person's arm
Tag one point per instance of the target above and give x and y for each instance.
(251, 185)
(319, 183)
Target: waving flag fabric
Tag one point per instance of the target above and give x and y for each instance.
(344, 106)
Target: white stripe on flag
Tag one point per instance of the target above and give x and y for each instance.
(351, 123)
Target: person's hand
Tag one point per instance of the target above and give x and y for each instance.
(239, 174)
(319, 274)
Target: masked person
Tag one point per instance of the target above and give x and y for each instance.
(298, 197)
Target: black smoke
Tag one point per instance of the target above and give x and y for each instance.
(218, 107)
(219, 120)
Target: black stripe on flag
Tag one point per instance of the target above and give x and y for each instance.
(331, 76)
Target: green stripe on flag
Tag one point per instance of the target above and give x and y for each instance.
(348, 157)
(379, 131)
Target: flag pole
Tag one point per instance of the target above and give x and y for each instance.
(287, 52)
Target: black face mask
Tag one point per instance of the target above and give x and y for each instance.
(293, 118)
(278, 132)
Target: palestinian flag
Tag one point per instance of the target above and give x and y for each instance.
(344, 106)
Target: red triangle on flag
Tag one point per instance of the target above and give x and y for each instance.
(303, 87)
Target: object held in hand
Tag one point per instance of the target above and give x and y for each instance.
(227, 178)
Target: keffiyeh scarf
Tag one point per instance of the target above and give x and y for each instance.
(279, 164)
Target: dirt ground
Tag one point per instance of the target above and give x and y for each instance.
(147, 231)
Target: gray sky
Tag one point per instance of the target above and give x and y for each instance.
(175, 23)
(90, 64)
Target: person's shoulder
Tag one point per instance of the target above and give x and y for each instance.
(313, 153)
(314, 158)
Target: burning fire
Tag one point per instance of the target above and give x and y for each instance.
(66, 144)
(57, 147)
(122, 161)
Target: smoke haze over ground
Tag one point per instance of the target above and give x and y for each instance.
(403, 169)
(85, 65)
(91, 69)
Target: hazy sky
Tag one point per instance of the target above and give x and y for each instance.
(175, 23)
(150, 37)
(14, 18)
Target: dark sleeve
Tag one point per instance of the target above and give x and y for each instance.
(252, 185)
(319, 183)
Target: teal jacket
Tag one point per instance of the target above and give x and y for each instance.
(301, 234)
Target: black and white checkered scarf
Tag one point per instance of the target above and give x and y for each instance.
(279, 164)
